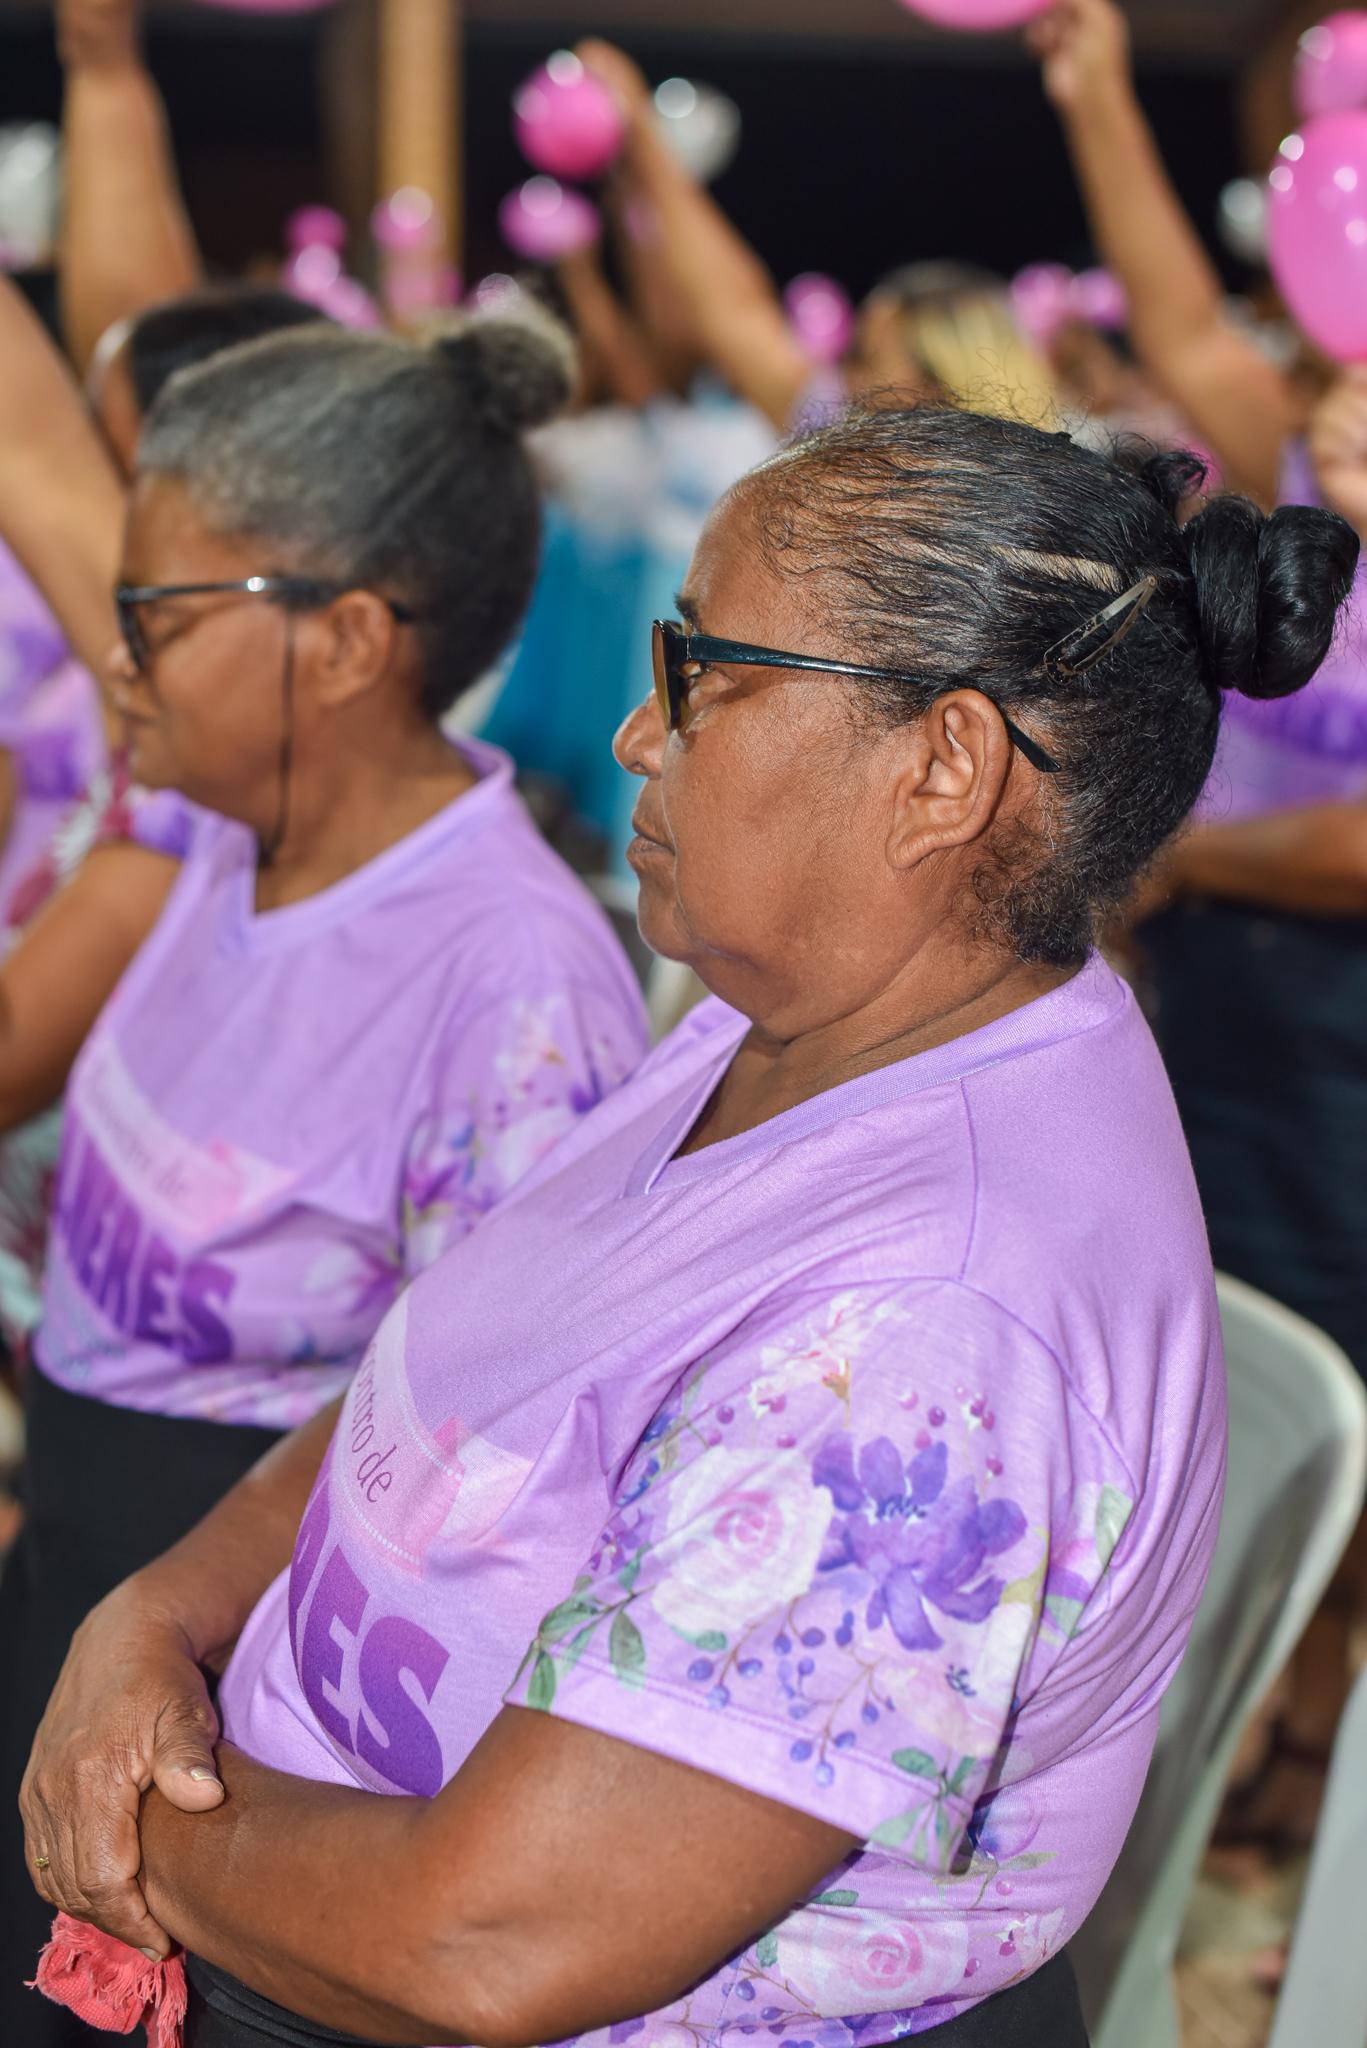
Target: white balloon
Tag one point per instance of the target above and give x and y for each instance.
(1243, 220)
(30, 192)
(702, 124)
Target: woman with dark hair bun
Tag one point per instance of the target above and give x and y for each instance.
(750, 1570)
(374, 997)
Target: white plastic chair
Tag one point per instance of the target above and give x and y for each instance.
(1297, 1470)
(1323, 2003)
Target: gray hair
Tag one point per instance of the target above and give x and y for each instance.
(375, 462)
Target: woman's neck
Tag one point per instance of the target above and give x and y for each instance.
(347, 814)
(915, 1013)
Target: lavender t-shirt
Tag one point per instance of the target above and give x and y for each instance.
(280, 1117)
(871, 1459)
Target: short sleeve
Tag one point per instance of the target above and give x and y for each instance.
(514, 1079)
(826, 1573)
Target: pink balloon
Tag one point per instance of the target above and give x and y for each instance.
(566, 121)
(311, 227)
(405, 222)
(1331, 66)
(1099, 299)
(977, 15)
(1317, 232)
(1042, 300)
(821, 315)
(315, 275)
(544, 221)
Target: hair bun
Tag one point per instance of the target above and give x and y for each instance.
(1268, 591)
(516, 366)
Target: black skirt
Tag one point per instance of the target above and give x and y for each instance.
(1042, 2012)
(105, 1490)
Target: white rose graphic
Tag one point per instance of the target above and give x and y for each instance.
(846, 1962)
(743, 1537)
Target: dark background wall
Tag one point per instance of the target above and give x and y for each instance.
(853, 157)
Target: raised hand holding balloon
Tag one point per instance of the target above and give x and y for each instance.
(1317, 232)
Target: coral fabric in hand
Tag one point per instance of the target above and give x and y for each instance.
(875, 1466)
(282, 1116)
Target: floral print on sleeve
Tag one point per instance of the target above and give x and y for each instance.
(520, 1077)
(828, 1575)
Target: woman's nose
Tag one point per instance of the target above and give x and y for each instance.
(639, 740)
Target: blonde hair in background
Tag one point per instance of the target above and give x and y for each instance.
(955, 324)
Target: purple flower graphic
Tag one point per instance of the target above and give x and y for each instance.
(922, 1543)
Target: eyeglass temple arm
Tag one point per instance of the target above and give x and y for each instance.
(737, 654)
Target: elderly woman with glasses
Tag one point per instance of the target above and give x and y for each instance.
(736, 1598)
(374, 997)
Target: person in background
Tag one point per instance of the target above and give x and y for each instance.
(373, 999)
(1253, 930)
(782, 1646)
(90, 865)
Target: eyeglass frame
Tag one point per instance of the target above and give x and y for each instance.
(673, 647)
(301, 590)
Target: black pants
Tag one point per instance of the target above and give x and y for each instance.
(105, 1491)
(1043, 2012)
(1262, 1020)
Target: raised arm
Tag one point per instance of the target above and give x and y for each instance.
(1236, 400)
(730, 300)
(131, 1708)
(126, 241)
(617, 358)
(61, 503)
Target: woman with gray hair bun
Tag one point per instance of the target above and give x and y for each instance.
(374, 999)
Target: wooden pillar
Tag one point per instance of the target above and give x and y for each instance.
(420, 127)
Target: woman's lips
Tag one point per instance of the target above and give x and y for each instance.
(649, 838)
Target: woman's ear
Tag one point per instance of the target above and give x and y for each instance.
(353, 646)
(950, 783)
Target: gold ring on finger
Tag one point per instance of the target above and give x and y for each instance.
(42, 1863)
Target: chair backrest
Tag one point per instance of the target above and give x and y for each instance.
(1324, 1995)
(1297, 1469)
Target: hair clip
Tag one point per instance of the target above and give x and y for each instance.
(1129, 609)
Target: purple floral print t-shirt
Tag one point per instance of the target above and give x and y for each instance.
(281, 1116)
(871, 1459)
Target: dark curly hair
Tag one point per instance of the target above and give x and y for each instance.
(965, 549)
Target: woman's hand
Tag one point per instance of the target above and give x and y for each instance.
(1338, 447)
(130, 1710)
(624, 78)
(1084, 48)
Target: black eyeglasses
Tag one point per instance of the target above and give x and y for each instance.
(675, 651)
(300, 591)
